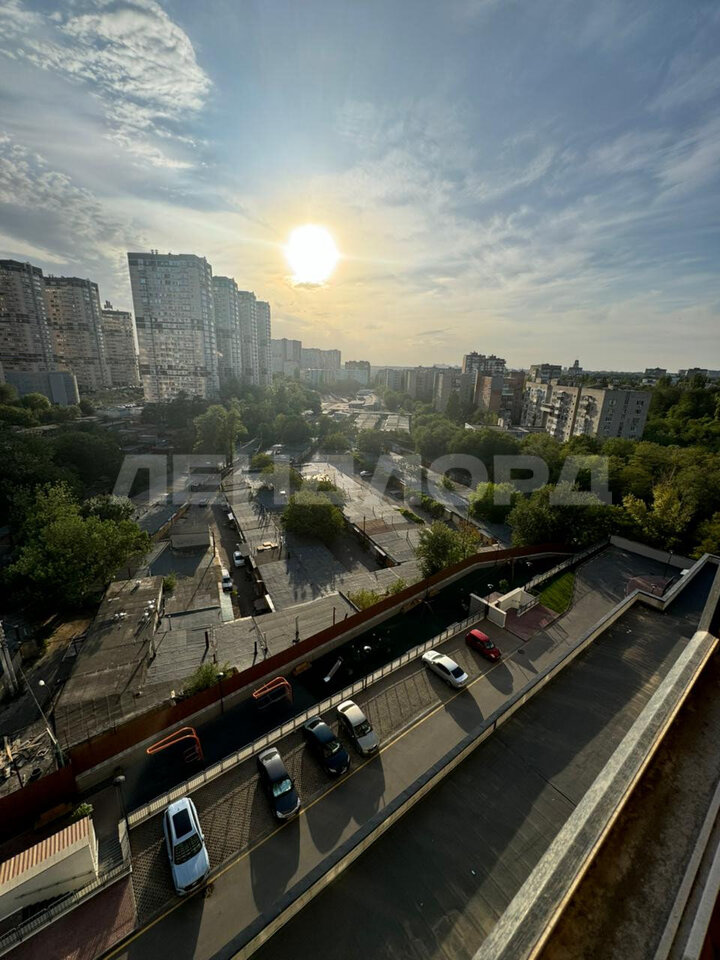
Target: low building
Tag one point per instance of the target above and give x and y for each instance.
(59, 386)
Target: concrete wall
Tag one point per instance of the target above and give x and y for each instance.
(58, 873)
(662, 556)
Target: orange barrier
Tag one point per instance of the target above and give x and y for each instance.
(184, 733)
(272, 691)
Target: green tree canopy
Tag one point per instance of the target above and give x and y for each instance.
(311, 514)
(487, 502)
(440, 546)
(67, 558)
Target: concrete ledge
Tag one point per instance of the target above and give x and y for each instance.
(528, 921)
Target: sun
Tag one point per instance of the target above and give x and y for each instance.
(312, 254)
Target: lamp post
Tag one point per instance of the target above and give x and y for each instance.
(222, 701)
(118, 782)
(53, 739)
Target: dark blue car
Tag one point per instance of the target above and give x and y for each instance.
(330, 753)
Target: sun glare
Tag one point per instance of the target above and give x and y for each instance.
(312, 254)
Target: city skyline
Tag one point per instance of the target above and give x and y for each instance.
(485, 185)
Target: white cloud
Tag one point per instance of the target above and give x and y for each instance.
(130, 55)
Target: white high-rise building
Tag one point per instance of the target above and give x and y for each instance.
(262, 316)
(247, 311)
(175, 321)
(25, 339)
(227, 329)
(74, 315)
(120, 346)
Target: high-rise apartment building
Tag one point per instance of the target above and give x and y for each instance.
(247, 312)
(484, 365)
(25, 339)
(312, 358)
(74, 316)
(228, 334)
(420, 383)
(120, 346)
(394, 378)
(175, 321)
(286, 356)
(264, 342)
(544, 372)
(358, 370)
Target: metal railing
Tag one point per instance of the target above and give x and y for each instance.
(574, 561)
(14, 936)
(153, 807)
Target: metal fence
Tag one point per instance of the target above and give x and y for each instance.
(573, 561)
(148, 810)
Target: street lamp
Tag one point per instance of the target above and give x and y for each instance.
(222, 701)
(53, 739)
(118, 782)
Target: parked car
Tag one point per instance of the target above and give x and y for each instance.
(483, 644)
(356, 726)
(238, 559)
(445, 668)
(227, 583)
(185, 844)
(330, 753)
(276, 781)
(366, 474)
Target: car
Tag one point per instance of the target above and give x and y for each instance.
(445, 668)
(356, 726)
(330, 753)
(227, 583)
(238, 559)
(483, 644)
(365, 474)
(278, 785)
(185, 845)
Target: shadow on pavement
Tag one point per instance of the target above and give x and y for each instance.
(273, 864)
(327, 820)
(465, 711)
(365, 799)
(501, 678)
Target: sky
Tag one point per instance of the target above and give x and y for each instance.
(539, 179)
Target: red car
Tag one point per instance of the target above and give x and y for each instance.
(483, 644)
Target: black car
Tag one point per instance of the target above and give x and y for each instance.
(331, 754)
(277, 784)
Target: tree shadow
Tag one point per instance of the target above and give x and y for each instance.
(273, 864)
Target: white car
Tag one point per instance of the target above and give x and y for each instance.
(227, 583)
(238, 559)
(185, 845)
(356, 726)
(445, 668)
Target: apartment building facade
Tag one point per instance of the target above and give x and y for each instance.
(75, 319)
(121, 353)
(227, 329)
(26, 342)
(175, 322)
(286, 356)
(566, 411)
(358, 370)
(264, 342)
(483, 364)
(247, 313)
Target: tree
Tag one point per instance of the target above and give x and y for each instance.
(370, 442)
(17, 416)
(86, 408)
(93, 455)
(335, 442)
(8, 393)
(665, 523)
(106, 506)
(67, 558)
(313, 515)
(708, 536)
(440, 546)
(562, 515)
(260, 461)
(36, 402)
(218, 429)
(453, 410)
(493, 501)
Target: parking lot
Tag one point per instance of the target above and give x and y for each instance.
(235, 814)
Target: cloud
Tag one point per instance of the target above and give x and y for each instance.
(130, 55)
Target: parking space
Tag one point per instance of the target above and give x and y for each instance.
(233, 811)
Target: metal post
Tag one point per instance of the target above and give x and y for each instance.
(118, 783)
(222, 701)
(53, 739)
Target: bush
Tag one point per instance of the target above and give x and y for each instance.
(313, 515)
(170, 582)
(206, 675)
(80, 811)
(409, 515)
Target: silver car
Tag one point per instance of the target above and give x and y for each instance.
(445, 668)
(357, 728)
(185, 844)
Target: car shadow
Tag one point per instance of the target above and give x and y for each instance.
(365, 790)
(273, 864)
(327, 819)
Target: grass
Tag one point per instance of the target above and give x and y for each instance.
(557, 595)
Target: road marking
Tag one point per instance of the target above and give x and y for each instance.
(333, 786)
